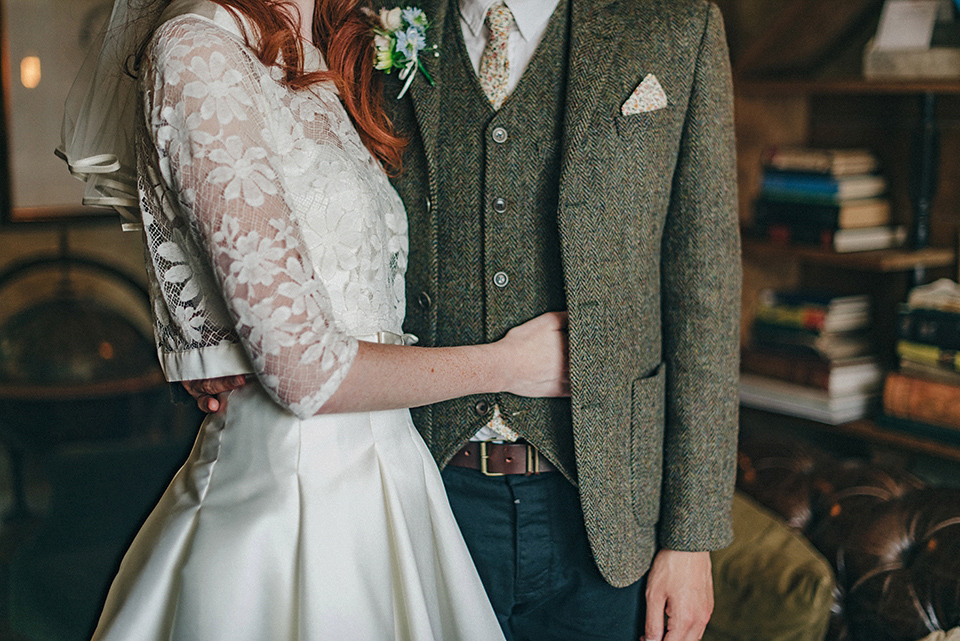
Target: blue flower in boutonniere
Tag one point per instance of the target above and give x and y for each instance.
(399, 43)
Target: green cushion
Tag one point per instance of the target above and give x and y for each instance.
(770, 584)
(941, 635)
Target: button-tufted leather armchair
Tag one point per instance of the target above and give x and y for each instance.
(894, 544)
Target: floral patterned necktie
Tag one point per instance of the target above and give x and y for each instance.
(495, 63)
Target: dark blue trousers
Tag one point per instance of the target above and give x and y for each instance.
(528, 541)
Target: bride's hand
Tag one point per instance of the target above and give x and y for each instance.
(536, 357)
(206, 391)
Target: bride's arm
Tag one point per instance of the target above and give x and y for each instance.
(206, 117)
(529, 361)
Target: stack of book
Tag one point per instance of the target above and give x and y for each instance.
(831, 198)
(923, 397)
(810, 355)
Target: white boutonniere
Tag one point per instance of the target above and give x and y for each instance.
(399, 41)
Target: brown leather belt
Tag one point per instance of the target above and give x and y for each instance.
(498, 459)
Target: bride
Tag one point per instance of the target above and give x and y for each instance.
(309, 507)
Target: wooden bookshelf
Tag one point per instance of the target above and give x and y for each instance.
(798, 81)
(884, 260)
(864, 430)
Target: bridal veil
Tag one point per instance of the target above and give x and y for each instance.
(98, 122)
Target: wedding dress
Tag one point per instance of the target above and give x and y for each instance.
(275, 242)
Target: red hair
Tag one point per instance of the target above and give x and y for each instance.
(343, 31)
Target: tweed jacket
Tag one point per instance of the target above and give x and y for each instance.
(651, 266)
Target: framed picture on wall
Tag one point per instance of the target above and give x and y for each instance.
(43, 44)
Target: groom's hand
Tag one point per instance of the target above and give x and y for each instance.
(680, 590)
(206, 390)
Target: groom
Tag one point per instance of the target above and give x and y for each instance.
(578, 155)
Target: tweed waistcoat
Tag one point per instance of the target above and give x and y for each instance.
(497, 205)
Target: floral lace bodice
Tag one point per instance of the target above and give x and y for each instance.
(274, 238)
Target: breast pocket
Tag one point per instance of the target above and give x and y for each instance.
(644, 123)
(646, 444)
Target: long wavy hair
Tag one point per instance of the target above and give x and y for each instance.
(342, 30)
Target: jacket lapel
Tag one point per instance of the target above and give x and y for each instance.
(595, 29)
(425, 97)
(613, 44)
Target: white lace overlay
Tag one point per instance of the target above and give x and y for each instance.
(268, 223)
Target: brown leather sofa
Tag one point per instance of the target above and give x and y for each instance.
(893, 544)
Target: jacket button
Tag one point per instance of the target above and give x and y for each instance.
(482, 408)
(429, 205)
(500, 279)
(423, 300)
(499, 205)
(499, 135)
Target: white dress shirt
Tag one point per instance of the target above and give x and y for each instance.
(530, 22)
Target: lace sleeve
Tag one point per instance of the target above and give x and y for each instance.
(207, 113)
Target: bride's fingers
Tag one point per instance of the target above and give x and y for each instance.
(214, 386)
(208, 404)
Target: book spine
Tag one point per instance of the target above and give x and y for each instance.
(930, 372)
(812, 317)
(799, 298)
(948, 359)
(921, 400)
(807, 372)
(931, 327)
(801, 234)
(826, 345)
(800, 182)
(821, 161)
(838, 240)
(813, 215)
(777, 194)
(844, 189)
(788, 334)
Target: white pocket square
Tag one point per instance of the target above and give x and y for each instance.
(648, 96)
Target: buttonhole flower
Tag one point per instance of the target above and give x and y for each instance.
(398, 43)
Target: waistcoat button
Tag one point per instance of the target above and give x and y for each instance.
(499, 135)
(500, 279)
(482, 408)
(423, 300)
(429, 205)
(499, 205)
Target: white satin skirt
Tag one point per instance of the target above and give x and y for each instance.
(336, 527)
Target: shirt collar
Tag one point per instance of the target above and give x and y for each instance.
(530, 15)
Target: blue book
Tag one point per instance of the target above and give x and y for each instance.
(785, 183)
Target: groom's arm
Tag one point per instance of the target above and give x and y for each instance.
(701, 310)
(700, 288)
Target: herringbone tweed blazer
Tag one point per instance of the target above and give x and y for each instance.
(651, 265)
